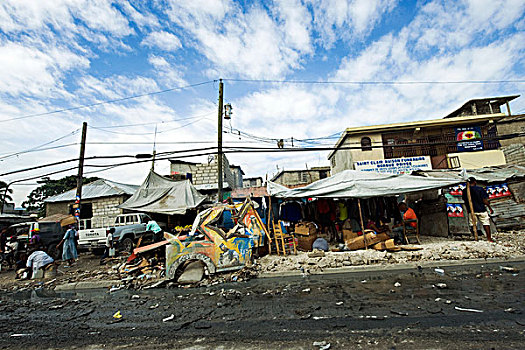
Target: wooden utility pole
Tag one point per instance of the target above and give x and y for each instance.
(154, 149)
(472, 213)
(219, 144)
(362, 222)
(80, 170)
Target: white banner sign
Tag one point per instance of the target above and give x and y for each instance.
(395, 165)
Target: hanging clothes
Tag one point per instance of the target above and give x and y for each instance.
(291, 211)
(343, 211)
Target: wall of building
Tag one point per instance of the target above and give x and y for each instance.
(344, 159)
(207, 173)
(104, 209)
(237, 177)
(512, 125)
(475, 160)
(183, 169)
(515, 154)
(57, 208)
(293, 178)
(252, 182)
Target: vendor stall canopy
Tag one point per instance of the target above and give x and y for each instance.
(362, 184)
(158, 194)
(487, 175)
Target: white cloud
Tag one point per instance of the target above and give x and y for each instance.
(336, 19)
(29, 71)
(248, 44)
(163, 40)
(166, 73)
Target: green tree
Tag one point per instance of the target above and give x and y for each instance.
(5, 194)
(49, 188)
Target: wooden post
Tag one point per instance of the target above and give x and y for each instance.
(472, 214)
(362, 222)
(268, 222)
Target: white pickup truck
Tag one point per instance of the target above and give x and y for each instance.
(128, 229)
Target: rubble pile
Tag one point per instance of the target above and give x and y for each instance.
(510, 244)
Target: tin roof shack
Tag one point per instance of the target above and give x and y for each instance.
(252, 182)
(505, 186)
(100, 201)
(300, 178)
(466, 138)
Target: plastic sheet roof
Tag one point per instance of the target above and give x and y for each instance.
(158, 194)
(361, 184)
(487, 175)
(96, 189)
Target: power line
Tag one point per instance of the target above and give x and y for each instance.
(377, 82)
(151, 123)
(42, 145)
(108, 101)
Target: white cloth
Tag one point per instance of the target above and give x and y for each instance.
(37, 260)
(109, 240)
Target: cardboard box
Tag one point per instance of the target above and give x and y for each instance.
(386, 245)
(371, 239)
(349, 234)
(305, 229)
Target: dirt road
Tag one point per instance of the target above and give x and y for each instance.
(384, 310)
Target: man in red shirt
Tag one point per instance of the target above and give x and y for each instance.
(408, 214)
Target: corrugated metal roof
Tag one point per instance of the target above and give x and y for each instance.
(96, 189)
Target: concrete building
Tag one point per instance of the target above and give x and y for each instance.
(299, 178)
(252, 182)
(466, 138)
(100, 201)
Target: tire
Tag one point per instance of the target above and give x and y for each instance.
(128, 245)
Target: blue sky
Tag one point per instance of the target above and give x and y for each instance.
(64, 53)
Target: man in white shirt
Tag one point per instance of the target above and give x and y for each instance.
(38, 260)
(109, 244)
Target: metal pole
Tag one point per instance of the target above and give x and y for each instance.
(80, 170)
(4, 196)
(219, 144)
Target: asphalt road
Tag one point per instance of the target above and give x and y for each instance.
(378, 310)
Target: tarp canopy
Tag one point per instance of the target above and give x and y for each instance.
(361, 184)
(489, 174)
(158, 194)
(276, 190)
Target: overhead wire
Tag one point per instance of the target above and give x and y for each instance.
(373, 82)
(107, 101)
(40, 146)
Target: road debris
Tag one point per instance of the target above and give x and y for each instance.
(117, 315)
(322, 345)
(508, 269)
(440, 285)
(169, 318)
(397, 284)
(440, 272)
(467, 310)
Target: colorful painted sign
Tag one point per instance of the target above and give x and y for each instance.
(497, 191)
(395, 165)
(455, 211)
(469, 139)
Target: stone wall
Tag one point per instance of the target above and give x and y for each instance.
(207, 173)
(105, 210)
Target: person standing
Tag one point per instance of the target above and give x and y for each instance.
(109, 244)
(69, 252)
(480, 203)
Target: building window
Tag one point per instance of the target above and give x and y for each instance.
(366, 144)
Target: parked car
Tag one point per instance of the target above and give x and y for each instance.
(222, 239)
(50, 235)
